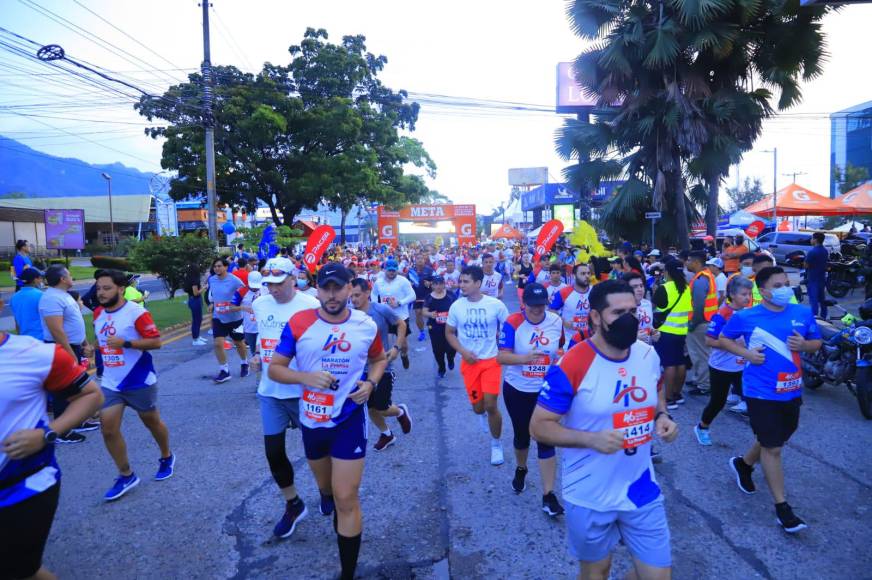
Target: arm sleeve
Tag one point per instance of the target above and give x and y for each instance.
(507, 337)
(146, 327)
(287, 345)
(50, 307)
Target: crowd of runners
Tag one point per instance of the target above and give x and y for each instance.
(588, 367)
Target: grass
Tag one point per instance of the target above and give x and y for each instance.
(165, 313)
(78, 273)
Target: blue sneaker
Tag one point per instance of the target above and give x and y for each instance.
(244, 371)
(702, 435)
(327, 505)
(123, 484)
(166, 468)
(294, 512)
(222, 377)
(422, 336)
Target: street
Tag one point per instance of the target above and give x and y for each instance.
(433, 506)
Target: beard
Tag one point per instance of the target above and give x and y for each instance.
(112, 301)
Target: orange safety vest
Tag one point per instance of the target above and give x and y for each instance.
(711, 299)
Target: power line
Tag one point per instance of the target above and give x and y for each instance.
(232, 41)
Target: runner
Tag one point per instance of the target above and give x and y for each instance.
(279, 403)
(492, 283)
(528, 346)
(555, 281)
(226, 319)
(452, 279)
(572, 303)
(611, 496)
(473, 328)
(397, 292)
(380, 400)
(420, 276)
(29, 472)
(243, 304)
(331, 347)
(776, 332)
(125, 333)
(436, 312)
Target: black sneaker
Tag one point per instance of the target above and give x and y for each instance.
(743, 473)
(787, 519)
(451, 364)
(243, 371)
(551, 506)
(405, 359)
(87, 426)
(671, 404)
(71, 437)
(222, 377)
(295, 511)
(519, 483)
(328, 506)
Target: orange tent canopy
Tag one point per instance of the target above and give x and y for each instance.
(858, 200)
(794, 200)
(506, 231)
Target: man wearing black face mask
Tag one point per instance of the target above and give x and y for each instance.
(610, 495)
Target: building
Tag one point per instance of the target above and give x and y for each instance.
(850, 141)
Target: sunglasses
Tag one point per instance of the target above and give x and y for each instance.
(278, 273)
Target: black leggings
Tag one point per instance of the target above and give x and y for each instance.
(442, 351)
(521, 406)
(279, 464)
(24, 527)
(721, 381)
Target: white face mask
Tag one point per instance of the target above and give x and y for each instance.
(747, 271)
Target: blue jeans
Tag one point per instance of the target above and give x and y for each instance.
(195, 303)
(816, 296)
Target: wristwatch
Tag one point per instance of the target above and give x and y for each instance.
(127, 344)
(657, 416)
(50, 436)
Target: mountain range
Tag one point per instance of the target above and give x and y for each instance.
(26, 173)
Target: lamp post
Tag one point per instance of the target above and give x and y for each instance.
(108, 179)
(774, 152)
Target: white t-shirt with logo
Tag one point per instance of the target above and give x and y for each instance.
(490, 284)
(645, 313)
(397, 294)
(452, 279)
(272, 318)
(125, 369)
(478, 324)
(520, 336)
(572, 306)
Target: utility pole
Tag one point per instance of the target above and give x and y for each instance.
(774, 152)
(108, 179)
(209, 126)
(793, 175)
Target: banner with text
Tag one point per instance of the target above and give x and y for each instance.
(547, 237)
(388, 227)
(464, 224)
(318, 243)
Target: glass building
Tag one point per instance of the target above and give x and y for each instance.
(850, 141)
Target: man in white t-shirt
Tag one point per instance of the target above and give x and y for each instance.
(473, 328)
(279, 403)
(716, 267)
(492, 283)
(644, 309)
(603, 404)
(397, 292)
(571, 302)
(452, 278)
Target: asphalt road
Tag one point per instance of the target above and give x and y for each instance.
(433, 505)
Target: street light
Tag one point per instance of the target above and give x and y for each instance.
(108, 179)
(774, 152)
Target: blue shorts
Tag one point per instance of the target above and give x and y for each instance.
(277, 414)
(670, 349)
(344, 441)
(592, 535)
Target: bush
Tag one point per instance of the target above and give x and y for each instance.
(62, 261)
(5, 265)
(169, 257)
(110, 262)
(96, 249)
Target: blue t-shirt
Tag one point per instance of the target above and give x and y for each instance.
(25, 309)
(779, 378)
(817, 259)
(18, 263)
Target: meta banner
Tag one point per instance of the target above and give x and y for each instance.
(462, 216)
(547, 237)
(318, 243)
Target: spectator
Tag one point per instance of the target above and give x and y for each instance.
(20, 262)
(25, 304)
(194, 289)
(716, 267)
(816, 274)
(733, 254)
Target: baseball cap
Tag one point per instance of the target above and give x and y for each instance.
(708, 239)
(437, 280)
(614, 259)
(334, 272)
(392, 264)
(535, 295)
(277, 269)
(255, 280)
(30, 274)
(716, 262)
(655, 252)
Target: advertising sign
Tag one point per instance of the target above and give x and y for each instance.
(547, 237)
(754, 228)
(565, 214)
(464, 224)
(65, 229)
(528, 176)
(318, 243)
(388, 227)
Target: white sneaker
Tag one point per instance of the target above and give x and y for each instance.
(199, 341)
(742, 408)
(497, 453)
(482, 419)
(732, 399)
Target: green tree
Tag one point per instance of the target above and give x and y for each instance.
(850, 177)
(751, 191)
(170, 257)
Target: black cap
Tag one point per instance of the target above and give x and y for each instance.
(30, 274)
(333, 272)
(535, 295)
(437, 280)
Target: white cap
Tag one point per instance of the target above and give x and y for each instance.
(655, 252)
(716, 262)
(278, 270)
(254, 280)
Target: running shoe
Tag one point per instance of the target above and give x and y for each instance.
(702, 435)
(222, 377)
(71, 438)
(199, 341)
(551, 506)
(384, 441)
(440, 374)
(741, 408)
(327, 506)
(123, 484)
(295, 510)
(422, 336)
(87, 426)
(788, 520)
(732, 399)
(680, 398)
(497, 453)
(243, 371)
(451, 364)
(405, 359)
(165, 468)
(671, 404)
(519, 483)
(743, 473)
(405, 420)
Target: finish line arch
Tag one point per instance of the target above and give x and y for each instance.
(463, 217)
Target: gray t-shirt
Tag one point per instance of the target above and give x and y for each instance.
(221, 293)
(57, 302)
(384, 317)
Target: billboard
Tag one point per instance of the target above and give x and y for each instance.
(570, 96)
(565, 214)
(528, 176)
(65, 229)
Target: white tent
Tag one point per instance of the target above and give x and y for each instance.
(533, 234)
(847, 227)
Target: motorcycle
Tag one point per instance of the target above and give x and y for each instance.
(845, 276)
(845, 357)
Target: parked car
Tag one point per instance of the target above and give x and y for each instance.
(782, 244)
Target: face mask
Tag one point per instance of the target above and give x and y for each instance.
(622, 332)
(747, 271)
(301, 284)
(782, 296)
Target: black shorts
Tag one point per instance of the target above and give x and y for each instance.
(773, 422)
(393, 328)
(380, 399)
(24, 528)
(418, 305)
(222, 329)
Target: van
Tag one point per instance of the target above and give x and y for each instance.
(782, 244)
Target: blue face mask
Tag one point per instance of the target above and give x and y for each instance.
(782, 296)
(301, 284)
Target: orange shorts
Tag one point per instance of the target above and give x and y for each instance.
(483, 377)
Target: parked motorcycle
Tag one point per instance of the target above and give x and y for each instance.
(845, 357)
(845, 276)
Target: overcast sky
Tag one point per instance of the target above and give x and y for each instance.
(506, 50)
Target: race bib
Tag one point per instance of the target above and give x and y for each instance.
(222, 308)
(267, 347)
(318, 405)
(579, 323)
(788, 382)
(112, 357)
(537, 369)
(637, 425)
(390, 301)
(441, 318)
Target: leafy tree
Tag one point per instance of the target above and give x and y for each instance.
(751, 191)
(170, 257)
(850, 177)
